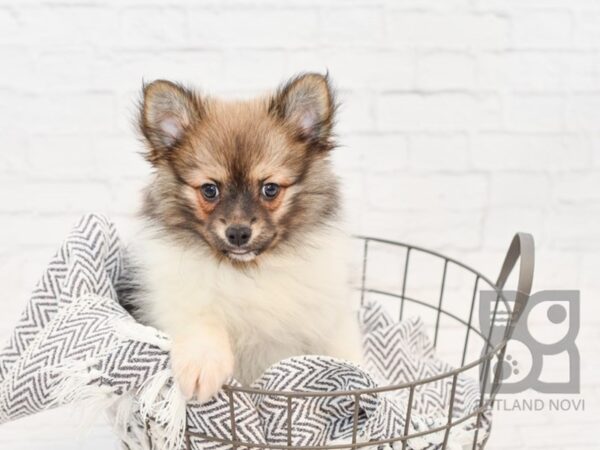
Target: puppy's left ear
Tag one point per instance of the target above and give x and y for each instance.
(306, 103)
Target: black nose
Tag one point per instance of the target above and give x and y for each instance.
(238, 235)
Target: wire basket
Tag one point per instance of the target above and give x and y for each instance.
(489, 357)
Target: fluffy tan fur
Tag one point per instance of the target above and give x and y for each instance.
(235, 309)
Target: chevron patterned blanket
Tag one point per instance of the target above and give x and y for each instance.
(76, 343)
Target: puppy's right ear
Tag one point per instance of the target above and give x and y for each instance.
(167, 113)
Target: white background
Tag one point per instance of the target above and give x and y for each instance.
(462, 121)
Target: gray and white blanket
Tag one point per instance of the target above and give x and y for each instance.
(76, 343)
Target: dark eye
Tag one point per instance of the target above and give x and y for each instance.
(210, 191)
(270, 190)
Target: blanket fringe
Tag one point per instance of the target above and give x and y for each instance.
(134, 331)
(160, 399)
(77, 381)
(157, 400)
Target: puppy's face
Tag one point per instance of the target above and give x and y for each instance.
(241, 178)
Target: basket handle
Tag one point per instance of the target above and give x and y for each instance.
(521, 248)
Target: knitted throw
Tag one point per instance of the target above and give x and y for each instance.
(76, 343)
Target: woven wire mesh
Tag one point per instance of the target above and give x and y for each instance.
(489, 355)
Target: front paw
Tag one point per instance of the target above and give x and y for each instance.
(201, 365)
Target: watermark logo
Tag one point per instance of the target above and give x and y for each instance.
(542, 354)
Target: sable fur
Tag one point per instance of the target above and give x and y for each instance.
(235, 138)
(286, 294)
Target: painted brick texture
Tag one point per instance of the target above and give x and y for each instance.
(462, 122)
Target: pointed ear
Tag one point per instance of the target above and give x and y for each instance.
(167, 112)
(306, 103)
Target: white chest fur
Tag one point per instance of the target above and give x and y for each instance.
(290, 304)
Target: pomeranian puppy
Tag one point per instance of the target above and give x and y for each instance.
(240, 256)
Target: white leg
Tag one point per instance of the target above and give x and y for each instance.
(202, 359)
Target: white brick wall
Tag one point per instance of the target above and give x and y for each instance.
(463, 121)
